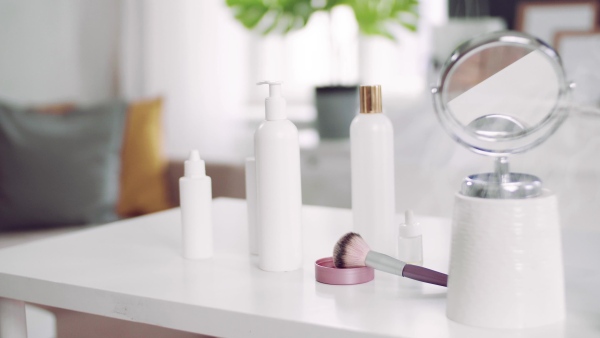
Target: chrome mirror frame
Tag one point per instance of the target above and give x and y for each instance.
(514, 143)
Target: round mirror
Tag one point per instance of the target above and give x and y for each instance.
(502, 93)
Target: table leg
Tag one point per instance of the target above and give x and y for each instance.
(12, 318)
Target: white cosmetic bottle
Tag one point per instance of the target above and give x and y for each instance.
(279, 196)
(372, 169)
(410, 240)
(251, 205)
(195, 194)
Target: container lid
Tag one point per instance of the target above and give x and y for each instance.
(370, 99)
(327, 273)
(511, 186)
(194, 166)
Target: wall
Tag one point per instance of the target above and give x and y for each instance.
(58, 50)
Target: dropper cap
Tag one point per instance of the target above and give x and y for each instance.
(370, 99)
(410, 228)
(194, 166)
(275, 103)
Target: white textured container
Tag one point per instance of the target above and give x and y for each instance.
(279, 195)
(372, 170)
(506, 267)
(195, 194)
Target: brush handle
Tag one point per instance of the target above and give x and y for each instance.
(425, 275)
(394, 266)
(385, 263)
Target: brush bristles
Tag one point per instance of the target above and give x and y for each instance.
(350, 251)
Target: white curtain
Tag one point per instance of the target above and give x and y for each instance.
(194, 55)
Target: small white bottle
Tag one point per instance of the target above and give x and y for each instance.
(195, 193)
(372, 169)
(410, 247)
(279, 195)
(410, 240)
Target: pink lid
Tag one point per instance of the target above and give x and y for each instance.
(326, 273)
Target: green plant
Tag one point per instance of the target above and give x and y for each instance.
(372, 16)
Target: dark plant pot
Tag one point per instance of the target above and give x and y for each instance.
(336, 107)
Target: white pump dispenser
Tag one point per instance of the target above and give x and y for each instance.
(279, 195)
(275, 103)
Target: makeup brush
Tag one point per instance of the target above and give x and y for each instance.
(352, 251)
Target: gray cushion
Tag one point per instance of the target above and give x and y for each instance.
(59, 169)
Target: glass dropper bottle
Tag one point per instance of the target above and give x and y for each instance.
(410, 240)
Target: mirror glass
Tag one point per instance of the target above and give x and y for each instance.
(499, 91)
(501, 96)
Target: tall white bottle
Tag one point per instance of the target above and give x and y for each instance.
(372, 169)
(279, 196)
(195, 194)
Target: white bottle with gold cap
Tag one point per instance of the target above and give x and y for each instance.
(372, 167)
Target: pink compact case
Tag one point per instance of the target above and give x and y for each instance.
(327, 273)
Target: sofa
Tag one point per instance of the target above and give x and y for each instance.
(227, 181)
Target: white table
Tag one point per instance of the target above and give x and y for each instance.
(133, 270)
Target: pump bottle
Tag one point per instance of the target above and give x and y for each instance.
(279, 199)
(195, 194)
(372, 171)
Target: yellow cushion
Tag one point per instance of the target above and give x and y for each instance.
(143, 180)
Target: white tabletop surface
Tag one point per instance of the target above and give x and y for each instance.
(133, 270)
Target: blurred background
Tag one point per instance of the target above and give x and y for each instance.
(199, 61)
(203, 58)
(101, 100)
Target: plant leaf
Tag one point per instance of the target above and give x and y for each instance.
(283, 16)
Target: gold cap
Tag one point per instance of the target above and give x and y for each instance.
(370, 99)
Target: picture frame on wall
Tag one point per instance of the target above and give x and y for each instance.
(544, 19)
(580, 55)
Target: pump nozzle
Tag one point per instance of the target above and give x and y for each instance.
(275, 103)
(274, 87)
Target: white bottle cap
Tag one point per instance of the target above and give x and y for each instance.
(194, 166)
(410, 228)
(275, 103)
